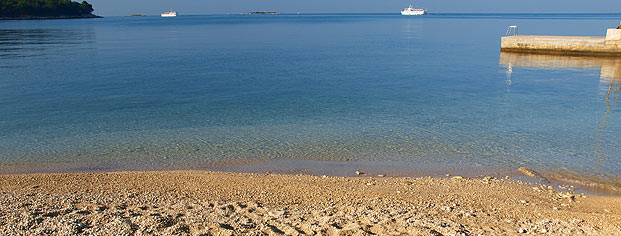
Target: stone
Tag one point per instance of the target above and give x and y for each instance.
(276, 214)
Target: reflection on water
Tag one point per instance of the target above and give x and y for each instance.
(609, 83)
(609, 67)
(20, 43)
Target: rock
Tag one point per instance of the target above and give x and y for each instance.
(458, 177)
(570, 197)
(521, 230)
(381, 175)
(276, 214)
(359, 172)
(532, 173)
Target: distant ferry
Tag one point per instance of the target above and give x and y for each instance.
(169, 14)
(410, 11)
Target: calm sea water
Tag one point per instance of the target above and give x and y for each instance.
(186, 92)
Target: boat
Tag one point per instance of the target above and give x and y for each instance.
(169, 14)
(410, 11)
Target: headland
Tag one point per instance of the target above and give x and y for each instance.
(86, 16)
(39, 10)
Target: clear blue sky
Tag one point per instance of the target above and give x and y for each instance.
(153, 7)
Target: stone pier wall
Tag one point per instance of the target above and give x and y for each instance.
(565, 45)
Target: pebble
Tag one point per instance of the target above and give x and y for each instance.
(458, 177)
(276, 214)
(386, 215)
(359, 172)
(567, 196)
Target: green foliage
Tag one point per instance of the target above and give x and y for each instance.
(43, 8)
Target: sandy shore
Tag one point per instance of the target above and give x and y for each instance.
(214, 203)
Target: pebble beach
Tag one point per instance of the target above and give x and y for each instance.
(219, 203)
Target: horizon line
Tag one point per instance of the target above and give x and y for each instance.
(386, 13)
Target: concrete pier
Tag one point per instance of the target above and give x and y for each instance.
(565, 45)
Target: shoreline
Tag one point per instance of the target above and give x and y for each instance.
(89, 16)
(220, 203)
(579, 182)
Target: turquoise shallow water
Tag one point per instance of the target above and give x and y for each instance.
(187, 92)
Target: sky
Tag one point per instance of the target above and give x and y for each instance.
(190, 7)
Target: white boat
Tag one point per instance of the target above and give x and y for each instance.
(169, 14)
(410, 11)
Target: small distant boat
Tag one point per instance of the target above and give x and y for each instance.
(169, 14)
(410, 11)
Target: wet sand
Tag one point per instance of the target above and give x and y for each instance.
(219, 203)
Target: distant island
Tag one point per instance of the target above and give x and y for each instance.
(44, 9)
(261, 13)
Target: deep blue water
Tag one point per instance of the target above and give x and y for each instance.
(152, 93)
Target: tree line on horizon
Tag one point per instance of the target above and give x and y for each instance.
(43, 8)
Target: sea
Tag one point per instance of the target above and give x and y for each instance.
(308, 93)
